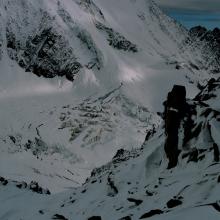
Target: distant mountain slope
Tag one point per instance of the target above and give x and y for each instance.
(55, 38)
(64, 143)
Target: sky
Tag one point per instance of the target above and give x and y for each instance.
(193, 12)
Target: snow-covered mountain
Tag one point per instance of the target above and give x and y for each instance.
(122, 56)
(64, 143)
(136, 184)
(79, 80)
(97, 42)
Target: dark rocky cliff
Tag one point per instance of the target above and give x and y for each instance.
(187, 121)
(209, 43)
(174, 112)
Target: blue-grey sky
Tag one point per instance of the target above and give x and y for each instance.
(193, 12)
(200, 5)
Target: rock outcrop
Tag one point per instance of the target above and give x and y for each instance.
(33, 186)
(174, 113)
(209, 43)
(95, 218)
(45, 54)
(187, 120)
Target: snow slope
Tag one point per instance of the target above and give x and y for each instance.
(136, 184)
(63, 143)
(122, 56)
(81, 79)
(91, 42)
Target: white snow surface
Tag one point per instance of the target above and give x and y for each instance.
(139, 174)
(56, 132)
(33, 107)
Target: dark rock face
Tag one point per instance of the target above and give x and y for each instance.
(121, 155)
(112, 188)
(214, 205)
(208, 92)
(182, 125)
(137, 202)
(150, 133)
(116, 40)
(193, 155)
(197, 31)
(45, 54)
(125, 218)
(37, 146)
(173, 203)
(33, 186)
(152, 213)
(174, 113)
(22, 185)
(1, 43)
(60, 217)
(95, 218)
(216, 152)
(3, 181)
(148, 193)
(91, 7)
(209, 43)
(37, 41)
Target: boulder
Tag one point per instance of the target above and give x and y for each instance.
(173, 203)
(95, 218)
(151, 213)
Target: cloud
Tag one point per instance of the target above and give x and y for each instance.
(200, 5)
